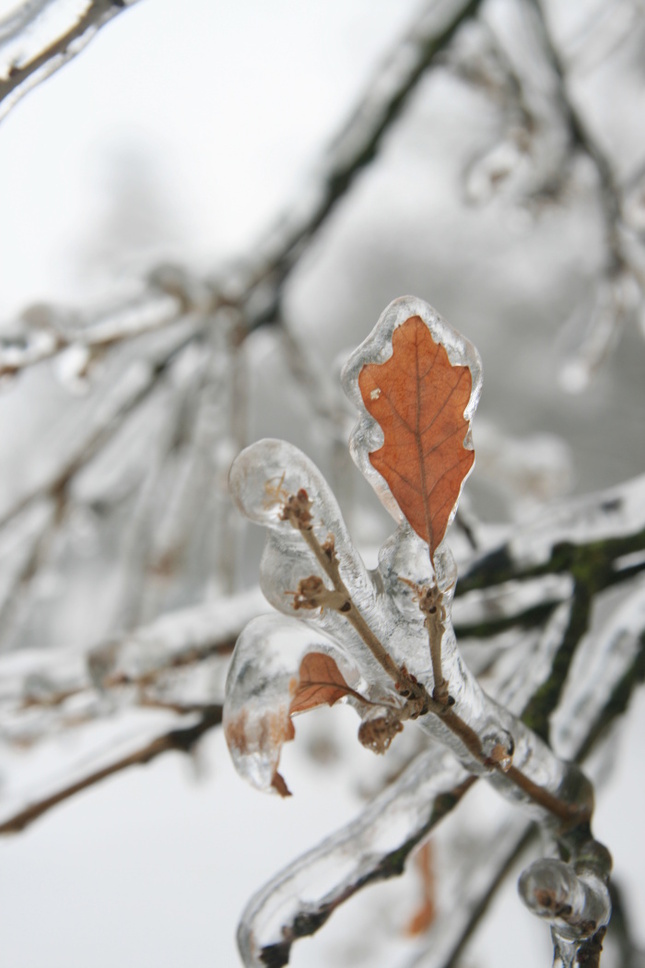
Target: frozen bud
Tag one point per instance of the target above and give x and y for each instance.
(575, 905)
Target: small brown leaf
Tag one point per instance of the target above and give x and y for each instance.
(426, 913)
(418, 398)
(320, 682)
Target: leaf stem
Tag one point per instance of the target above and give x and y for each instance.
(297, 510)
(329, 564)
(432, 606)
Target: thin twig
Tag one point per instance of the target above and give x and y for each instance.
(586, 143)
(22, 79)
(181, 740)
(111, 421)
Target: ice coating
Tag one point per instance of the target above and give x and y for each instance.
(261, 682)
(575, 905)
(367, 436)
(400, 814)
(261, 479)
(393, 622)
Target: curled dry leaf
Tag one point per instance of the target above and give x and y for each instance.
(418, 398)
(319, 682)
(262, 737)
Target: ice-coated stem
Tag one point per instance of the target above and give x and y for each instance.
(432, 606)
(373, 847)
(297, 510)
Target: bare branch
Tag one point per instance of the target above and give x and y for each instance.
(258, 287)
(124, 400)
(181, 740)
(24, 77)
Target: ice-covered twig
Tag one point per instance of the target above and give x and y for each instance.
(259, 284)
(381, 619)
(44, 331)
(182, 739)
(51, 50)
(574, 901)
(137, 383)
(448, 936)
(373, 847)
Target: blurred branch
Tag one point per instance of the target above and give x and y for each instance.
(173, 641)
(45, 331)
(181, 740)
(256, 288)
(24, 77)
(358, 142)
(136, 665)
(127, 397)
(585, 142)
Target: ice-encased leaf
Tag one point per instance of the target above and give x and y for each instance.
(263, 681)
(416, 383)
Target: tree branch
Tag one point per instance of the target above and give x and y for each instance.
(258, 291)
(21, 79)
(181, 740)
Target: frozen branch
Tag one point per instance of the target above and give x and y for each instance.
(46, 331)
(373, 847)
(137, 384)
(357, 144)
(172, 642)
(22, 73)
(181, 740)
(257, 287)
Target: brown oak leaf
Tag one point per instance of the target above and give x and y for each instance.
(418, 398)
(320, 681)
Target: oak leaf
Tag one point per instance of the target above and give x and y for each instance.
(418, 398)
(320, 681)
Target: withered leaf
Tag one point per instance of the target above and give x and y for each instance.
(418, 398)
(426, 912)
(320, 681)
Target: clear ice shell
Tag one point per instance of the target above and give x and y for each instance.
(261, 479)
(367, 436)
(260, 686)
(575, 905)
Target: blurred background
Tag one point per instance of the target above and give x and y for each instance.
(192, 240)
